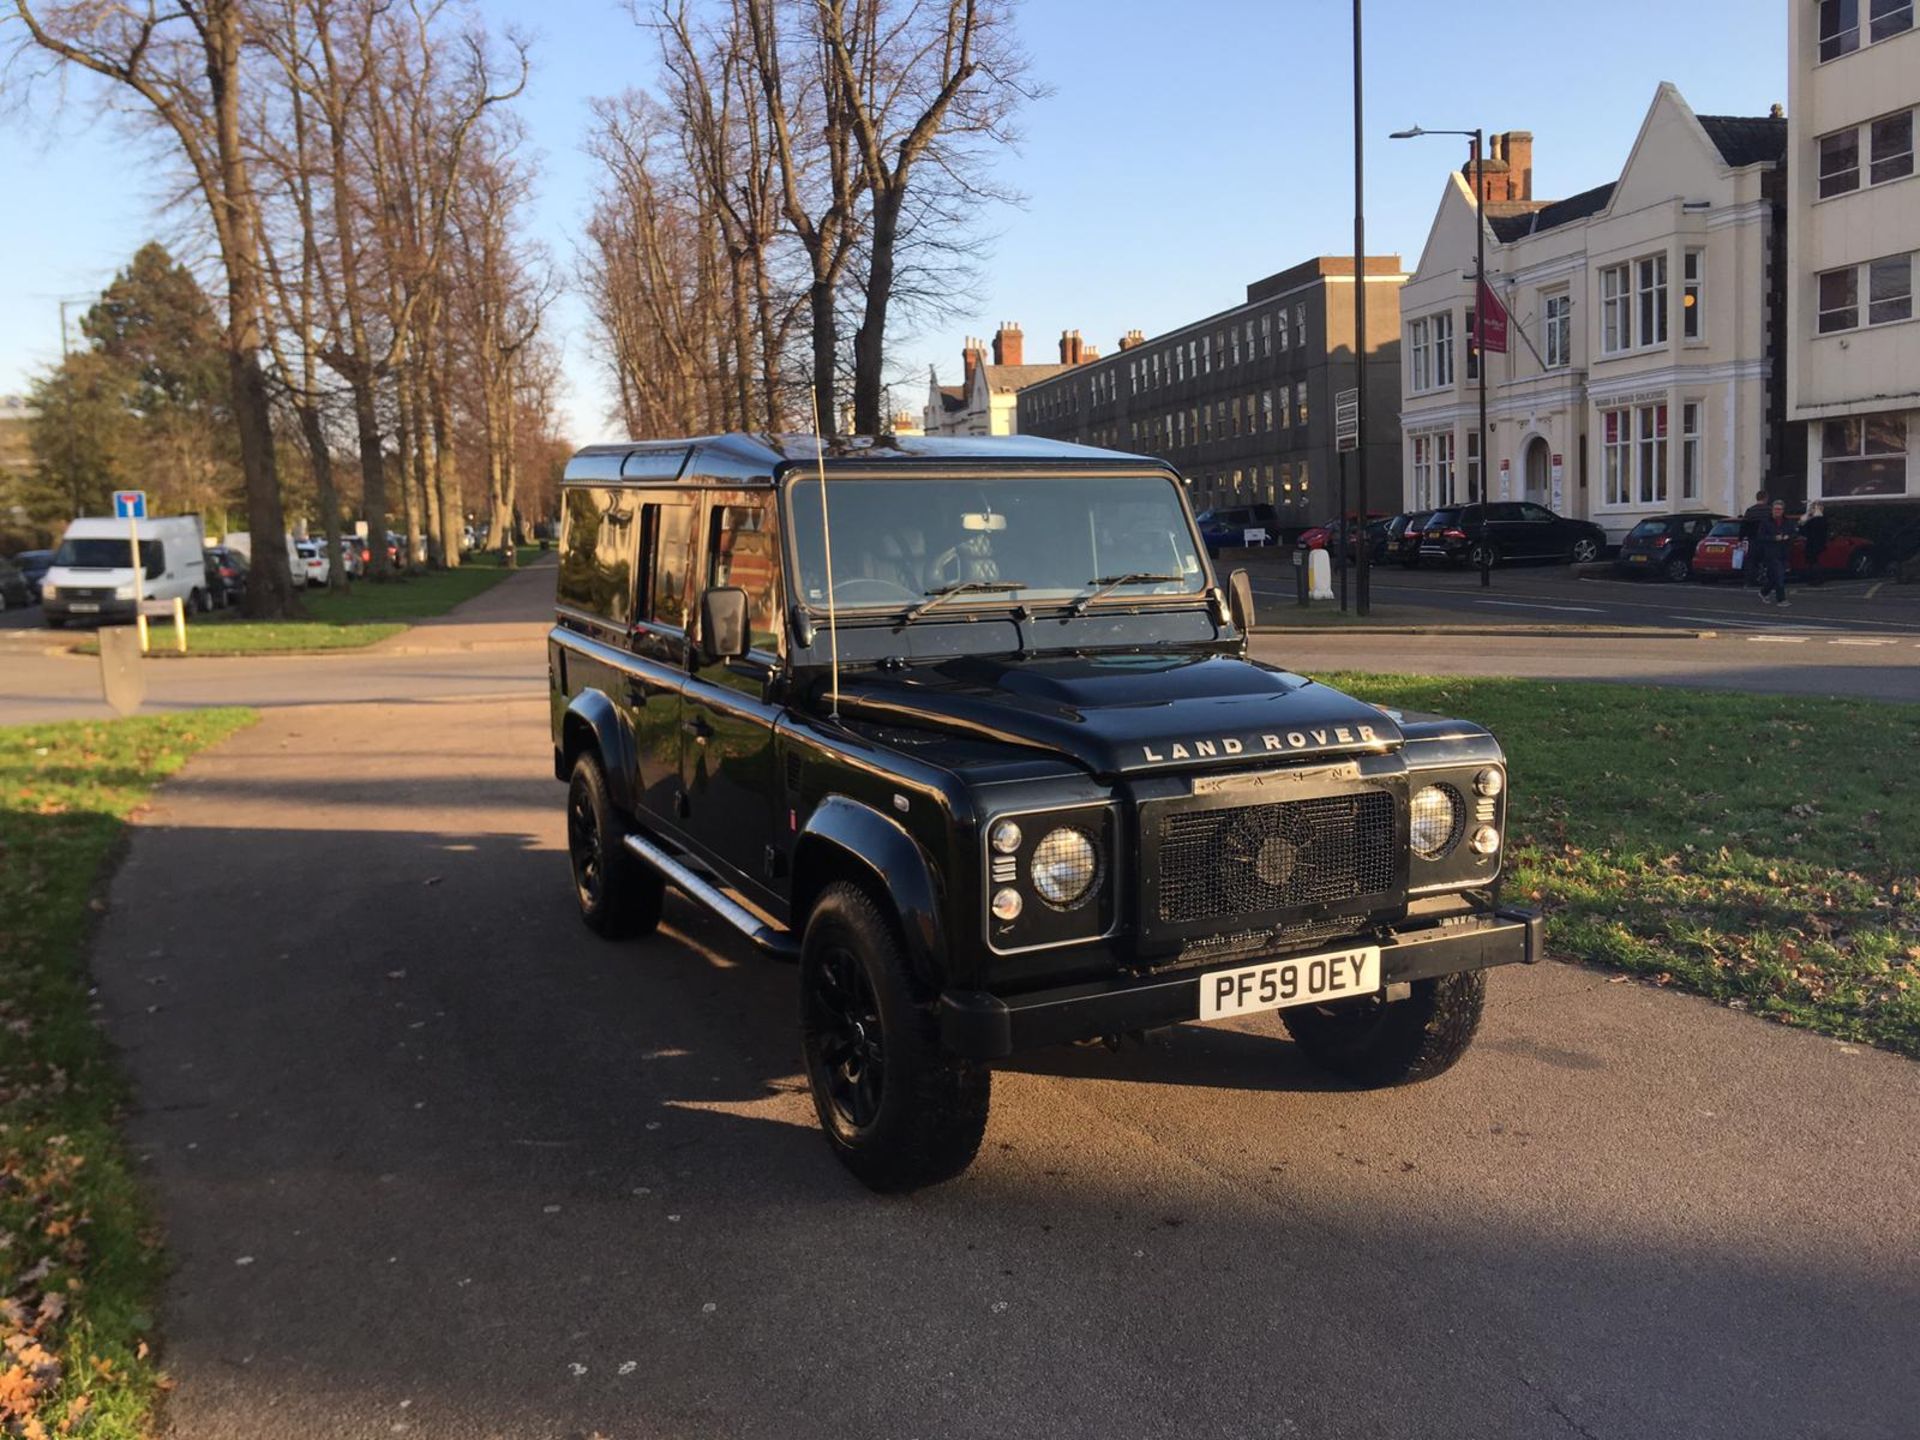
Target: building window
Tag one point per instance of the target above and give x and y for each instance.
(1693, 281)
(1300, 403)
(1839, 28)
(1891, 141)
(1617, 454)
(1206, 355)
(1473, 347)
(1443, 468)
(1266, 334)
(1840, 300)
(1282, 316)
(1236, 415)
(1300, 323)
(1616, 310)
(1420, 356)
(1266, 412)
(1443, 349)
(1889, 287)
(1301, 474)
(1650, 296)
(1889, 18)
(1839, 162)
(1234, 343)
(1863, 455)
(1559, 330)
(1249, 339)
(1690, 450)
(1650, 463)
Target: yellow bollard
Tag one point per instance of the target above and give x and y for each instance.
(180, 624)
(140, 623)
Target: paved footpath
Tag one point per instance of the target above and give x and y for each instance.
(435, 1162)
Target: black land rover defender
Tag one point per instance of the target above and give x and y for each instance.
(967, 728)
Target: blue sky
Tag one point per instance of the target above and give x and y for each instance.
(1186, 149)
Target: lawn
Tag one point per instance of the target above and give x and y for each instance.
(1760, 850)
(369, 612)
(80, 1266)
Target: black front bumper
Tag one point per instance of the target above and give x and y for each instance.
(984, 1026)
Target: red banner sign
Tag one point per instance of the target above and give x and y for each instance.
(1492, 317)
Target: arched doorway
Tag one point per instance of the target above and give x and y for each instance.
(1539, 470)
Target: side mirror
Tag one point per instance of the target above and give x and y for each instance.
(723, 622)
(1240, 601)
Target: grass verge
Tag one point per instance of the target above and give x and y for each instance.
(1760, 850)
(80, 1266)
(370, 611)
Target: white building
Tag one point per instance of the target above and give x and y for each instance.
(1853, 354)
(984, 402)
(1643, 351)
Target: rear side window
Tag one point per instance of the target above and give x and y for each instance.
(669, 551)
(599, 543)
(742, 550)
(1648, 529)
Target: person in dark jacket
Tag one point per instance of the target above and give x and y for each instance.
(1778, 531)
(1813, 532)
(1750, 537)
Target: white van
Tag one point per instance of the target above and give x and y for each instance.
(91, 579)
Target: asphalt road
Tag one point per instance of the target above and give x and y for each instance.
(432, 1160)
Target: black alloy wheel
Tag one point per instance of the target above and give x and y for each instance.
(1482, 555)
(619, 897)
(1585, 550)
(899, 1109)
(1678, 568)
(1860, 564)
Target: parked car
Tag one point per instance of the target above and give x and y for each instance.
(1236, 525)
(15, 591)
(226, 575)
(34, 564)
(1722, 554)
(1664, 545)
(1407, 548)
(314, 564)
(1333, 535)
(353, 556)
(1508, 530)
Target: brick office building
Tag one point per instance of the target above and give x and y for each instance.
(1242, 401)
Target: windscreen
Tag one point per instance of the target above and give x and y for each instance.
(1647, 530)
(103, 554)
(1730, 528)
(899, 542)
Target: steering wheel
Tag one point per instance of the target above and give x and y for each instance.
(937, 567)
(876, 589)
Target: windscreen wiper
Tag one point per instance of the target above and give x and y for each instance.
(963, 587)
(1109, 583)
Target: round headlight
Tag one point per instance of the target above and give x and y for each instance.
(1006, 905)
(1438, 815)
(1486, 840)
(1490, 782)
(1006, 837)
(1065, 866)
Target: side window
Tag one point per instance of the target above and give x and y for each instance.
(599, 540)
(1535, 512)
(742, 550)
(670, 530)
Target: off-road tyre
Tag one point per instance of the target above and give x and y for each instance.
(1377, 1043)
(900, 1111)
(620, 897)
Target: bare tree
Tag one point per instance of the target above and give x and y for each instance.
(182, 60)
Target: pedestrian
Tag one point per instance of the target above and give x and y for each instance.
(1813, 530)
(1777, 533)
(1750, 536)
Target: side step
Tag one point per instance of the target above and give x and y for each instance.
(766, 936)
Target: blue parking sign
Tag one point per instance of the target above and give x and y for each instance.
(129, 504)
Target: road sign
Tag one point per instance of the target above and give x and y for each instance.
(129, 504)
(1346, 420)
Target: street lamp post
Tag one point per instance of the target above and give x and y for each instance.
(1364, 598)
(1477, 486)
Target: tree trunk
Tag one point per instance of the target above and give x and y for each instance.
(403, 442)
(445, 483)
(373, 473)
(321, 458)
(826, 338)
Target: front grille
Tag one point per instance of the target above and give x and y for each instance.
(1258, 859)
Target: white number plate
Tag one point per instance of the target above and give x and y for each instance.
(1297, 980)
(84, 607)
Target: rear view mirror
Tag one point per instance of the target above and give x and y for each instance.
(1240, 601)
(723, 622)
(983, 520)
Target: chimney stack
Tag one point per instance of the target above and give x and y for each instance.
(973, 354)
(1070, 347)
(1516, 149)
(1009, 345)
(1131, 339)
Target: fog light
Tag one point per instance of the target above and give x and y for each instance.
(1006, 837)
(1490, 782)
(1485, 840)
(1006, 905)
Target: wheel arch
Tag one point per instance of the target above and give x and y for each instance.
(846, 840)
(592, 723)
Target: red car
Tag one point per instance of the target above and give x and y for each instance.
(1713, 559)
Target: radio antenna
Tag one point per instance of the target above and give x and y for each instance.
(826, 544)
